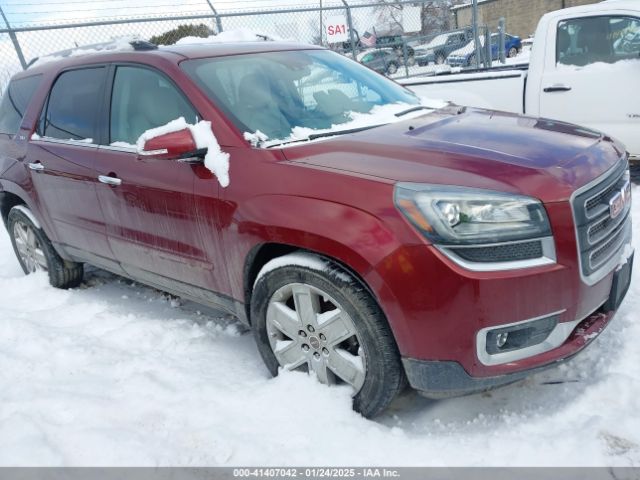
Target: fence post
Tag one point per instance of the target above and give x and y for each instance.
(501, 45)
(14, 40)
(350, 24)
(487, 48)
(215, 13)
(476, 38)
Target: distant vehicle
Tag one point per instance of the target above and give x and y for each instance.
(439, 48)
(398, 43)
(382, 60)
(465, 57)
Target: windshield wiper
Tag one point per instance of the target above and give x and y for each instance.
(412, 109)
(335, 133)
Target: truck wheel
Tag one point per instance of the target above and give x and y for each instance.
(513, 51)
(322, 320)
(392, 69)
(35, 252)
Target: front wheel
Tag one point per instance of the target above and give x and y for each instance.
(440, 59)
(36, 254)
(324, 321)
(392, 69)
(513, 51)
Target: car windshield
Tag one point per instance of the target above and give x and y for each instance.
(288, 96)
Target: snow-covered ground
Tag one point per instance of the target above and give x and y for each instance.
(114, 373)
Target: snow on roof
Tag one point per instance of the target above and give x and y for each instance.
(230, 36)
(119, 45)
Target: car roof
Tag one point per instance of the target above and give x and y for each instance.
(173, 53)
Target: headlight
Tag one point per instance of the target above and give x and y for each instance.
(458, 215)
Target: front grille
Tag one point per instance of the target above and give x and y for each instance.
(600, 236)
(501, 253)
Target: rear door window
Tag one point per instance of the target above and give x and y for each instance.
(73, 109)
(15, 102)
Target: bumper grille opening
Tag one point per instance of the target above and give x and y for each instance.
(501, 253)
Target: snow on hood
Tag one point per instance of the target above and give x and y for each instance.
(231, 36)
(215, 160)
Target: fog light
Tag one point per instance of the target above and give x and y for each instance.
(521, 335)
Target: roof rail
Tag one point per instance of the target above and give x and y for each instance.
(116, 45)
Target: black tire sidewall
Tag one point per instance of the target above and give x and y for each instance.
(381, 354)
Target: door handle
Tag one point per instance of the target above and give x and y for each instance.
(113, 181)
(557, 88)
(36, 167)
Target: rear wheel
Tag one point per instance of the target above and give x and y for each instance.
(36, 254)
(326, 322)
(440, 59)
(513, 51)
(392, 68)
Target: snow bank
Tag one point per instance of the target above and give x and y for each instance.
(255, 138)
(215, 159)
(379, 115)
(230, 36)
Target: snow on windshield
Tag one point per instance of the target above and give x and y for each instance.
(379, 115)
(215, 160)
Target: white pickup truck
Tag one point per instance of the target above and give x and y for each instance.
(584, 68)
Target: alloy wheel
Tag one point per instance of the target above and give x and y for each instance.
(308, 330)
(29, 247)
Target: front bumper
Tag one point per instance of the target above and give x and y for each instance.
(443, 379)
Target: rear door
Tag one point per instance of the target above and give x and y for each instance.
(592, 78)
(61, 159)
(149, 205)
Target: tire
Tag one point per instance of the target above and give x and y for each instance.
(411, 61)
(392, 68)
(440, 59)
(472, 60)
(374, 371)
(513, 51)
(36, 253)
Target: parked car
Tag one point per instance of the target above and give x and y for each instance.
(383, 60)
(583, 72)
(366, 235)
(439, 48)
(399, 44)
(465, 56)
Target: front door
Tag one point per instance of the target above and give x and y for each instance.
(149, 204)
(595, 76)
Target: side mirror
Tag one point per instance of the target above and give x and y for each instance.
(178, 145)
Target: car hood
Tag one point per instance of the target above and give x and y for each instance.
(471, 147)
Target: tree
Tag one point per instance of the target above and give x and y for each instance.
(172, 36)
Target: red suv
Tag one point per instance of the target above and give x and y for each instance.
(367, 236)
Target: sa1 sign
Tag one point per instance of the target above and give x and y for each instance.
(336, 29)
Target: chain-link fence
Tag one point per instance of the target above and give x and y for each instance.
(398, 38)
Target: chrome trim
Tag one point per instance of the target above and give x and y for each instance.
(556, 338)
(29, 215)
(606, 268)
(620, 238)
(36, 167)
(110, 180)
(548, 256)
(145, 153)
(119, 149)
(75, 143)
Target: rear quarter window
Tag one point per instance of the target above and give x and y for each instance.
(15, 102)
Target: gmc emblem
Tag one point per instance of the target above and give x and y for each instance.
(618, 203)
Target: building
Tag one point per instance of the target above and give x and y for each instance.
(521, 16)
